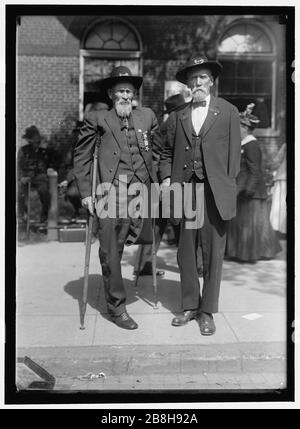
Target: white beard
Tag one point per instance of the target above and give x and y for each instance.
(199, 96)
(123, 110)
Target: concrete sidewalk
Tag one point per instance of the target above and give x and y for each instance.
(249, 345)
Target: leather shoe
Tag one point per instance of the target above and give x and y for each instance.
(207, 324)
(184, 318)
(124, 321)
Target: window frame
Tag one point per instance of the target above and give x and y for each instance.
(106, 54)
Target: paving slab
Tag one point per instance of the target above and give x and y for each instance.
(55, 331)
(266, 327)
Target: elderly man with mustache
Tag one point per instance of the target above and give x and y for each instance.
(129, 148)
(202, 149)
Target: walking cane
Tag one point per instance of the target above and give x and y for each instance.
(140, 256)
(88, 240)
(28, 209)
(154, 276)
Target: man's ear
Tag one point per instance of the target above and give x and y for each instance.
(109, 93)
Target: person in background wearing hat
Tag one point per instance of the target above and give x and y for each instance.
(203, 148)
(250, 234)
(129, 148)
(143, 261)
(34, 159)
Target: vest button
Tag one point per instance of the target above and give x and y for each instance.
(185, 166)
(115, 152)
(186, 148)
(110, 170)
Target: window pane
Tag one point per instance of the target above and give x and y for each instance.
(104, 31)
(244, 85)
(262, 69)
(244, 38)
(245, 69)
(119, 31)
(263, 86)
(226, 85)
(94, 42)
(228, 69)
(129, 43)
(111, 44)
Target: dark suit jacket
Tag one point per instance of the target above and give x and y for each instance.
(108, 125)
(221, 147)
(250, 181)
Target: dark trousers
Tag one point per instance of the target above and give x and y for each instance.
(40, 184)
(112, 234)
(212, 239)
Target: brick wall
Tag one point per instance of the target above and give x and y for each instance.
(47, 91)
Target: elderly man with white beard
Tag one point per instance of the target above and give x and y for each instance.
(129, 149)
(202, 150)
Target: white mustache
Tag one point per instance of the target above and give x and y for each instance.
(197, 89)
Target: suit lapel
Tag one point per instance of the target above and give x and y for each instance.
(186, 121)
(113, 121)
(212, 114)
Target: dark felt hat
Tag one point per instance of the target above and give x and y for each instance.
(121, 74)
(247, 119)
(200, 61)
(32, 134)
(174, 102)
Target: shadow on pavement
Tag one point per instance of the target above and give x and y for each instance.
(168, 293)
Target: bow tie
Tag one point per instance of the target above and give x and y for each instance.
(199, 104)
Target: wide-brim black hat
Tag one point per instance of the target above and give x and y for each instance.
(32, 134)
(200, 61)
(174, 102)
(121, 74)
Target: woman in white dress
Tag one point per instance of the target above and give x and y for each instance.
(278, 207)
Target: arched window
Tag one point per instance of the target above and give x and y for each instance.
(107, 43)
(112, 35)
(247, 53)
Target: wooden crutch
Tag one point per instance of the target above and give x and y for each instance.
(88, 241)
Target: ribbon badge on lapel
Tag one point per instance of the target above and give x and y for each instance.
(144, 141)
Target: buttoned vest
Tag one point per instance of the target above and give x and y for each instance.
(194, 160)
(131, 161)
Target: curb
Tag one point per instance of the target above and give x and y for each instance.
(165, 360)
